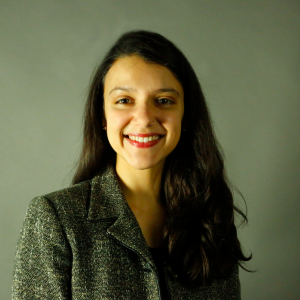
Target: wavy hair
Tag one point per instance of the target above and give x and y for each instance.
(200, 233)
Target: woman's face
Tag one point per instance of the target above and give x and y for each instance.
(145, 102)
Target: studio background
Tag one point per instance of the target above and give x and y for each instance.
(246, 55)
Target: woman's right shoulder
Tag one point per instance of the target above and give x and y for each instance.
(71, 202)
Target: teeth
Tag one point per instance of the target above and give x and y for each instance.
(145, 139)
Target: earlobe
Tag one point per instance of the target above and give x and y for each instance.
(103, 120)
(104, 124)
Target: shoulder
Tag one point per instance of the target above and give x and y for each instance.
(65, 203)
(94, 199)
(231, 286)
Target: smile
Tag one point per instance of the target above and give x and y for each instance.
(143, 142)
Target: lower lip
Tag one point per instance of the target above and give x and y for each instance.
(143, 145)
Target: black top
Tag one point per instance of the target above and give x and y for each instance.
(158, 257)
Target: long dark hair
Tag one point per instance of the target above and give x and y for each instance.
(200, 234)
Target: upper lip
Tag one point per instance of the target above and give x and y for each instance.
(143, 134)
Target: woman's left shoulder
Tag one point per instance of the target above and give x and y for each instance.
(230, 287)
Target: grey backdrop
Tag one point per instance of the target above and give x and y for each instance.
(246, 55)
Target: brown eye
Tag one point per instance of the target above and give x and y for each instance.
(165, 101)
(123, 101)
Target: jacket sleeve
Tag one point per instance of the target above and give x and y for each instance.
(43, 258)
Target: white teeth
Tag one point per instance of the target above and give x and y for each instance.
(145, 139)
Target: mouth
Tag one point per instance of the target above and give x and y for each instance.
(143, 142)
(143, 139)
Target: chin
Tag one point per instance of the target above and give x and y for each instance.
(142, 164)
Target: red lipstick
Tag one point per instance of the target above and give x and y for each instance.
(143, 145)
(143, 134)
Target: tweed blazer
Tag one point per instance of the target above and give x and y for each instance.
(84, 242)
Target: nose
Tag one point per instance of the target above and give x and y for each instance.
(144, 115)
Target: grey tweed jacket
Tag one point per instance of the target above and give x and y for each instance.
(84, 242)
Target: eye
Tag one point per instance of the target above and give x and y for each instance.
(123, 101)
(165, 101)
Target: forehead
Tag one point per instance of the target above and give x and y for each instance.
(133, 71)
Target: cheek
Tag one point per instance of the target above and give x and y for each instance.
(173, 125)
(173, 122)
(116, 120)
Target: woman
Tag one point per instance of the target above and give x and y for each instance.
(150, 215)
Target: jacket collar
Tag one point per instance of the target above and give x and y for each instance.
(106, 198)
(107, 202)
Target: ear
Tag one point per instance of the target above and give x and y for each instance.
(103, 116)
(103, 122)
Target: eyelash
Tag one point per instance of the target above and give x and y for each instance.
(169, 101)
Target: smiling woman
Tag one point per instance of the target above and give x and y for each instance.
(150, 214)
(143, 115)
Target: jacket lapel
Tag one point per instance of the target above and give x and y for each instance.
(107, 202)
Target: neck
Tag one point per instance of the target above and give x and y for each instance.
(141, 187)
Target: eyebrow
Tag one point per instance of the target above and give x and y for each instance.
(129, 89)
(121, 88)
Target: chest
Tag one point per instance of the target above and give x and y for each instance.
(151, 220)
(106, 267)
